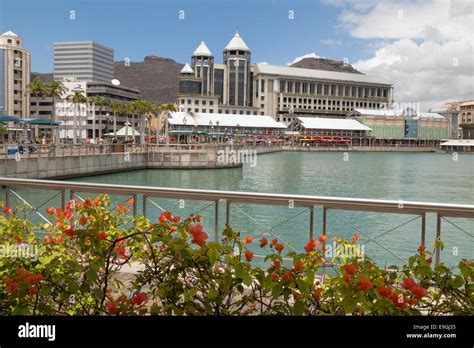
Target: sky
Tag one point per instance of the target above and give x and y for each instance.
(424, 47)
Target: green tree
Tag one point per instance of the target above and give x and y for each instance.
(55, 89)
(77, 98)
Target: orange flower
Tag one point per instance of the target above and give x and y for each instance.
(96, 202)
(276, 265)
(350, 269)
(274, 242)
(68, 213)
(355, 237)
(279, 248)
(49, 211)
(7, 210)
(138, 298)
(248, 255)
(311, 245)
(365, 283)
(263, 242)
(274, 277)
(248, 239)
(421, 249)
(286, 276)
(298, 266)
(322, 238)
(83, 220)
(199, 237)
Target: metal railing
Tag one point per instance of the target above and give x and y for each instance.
(232, 199)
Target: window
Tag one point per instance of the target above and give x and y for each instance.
(255, 112)
(196, 110)
(326, 89)
(283, 86)
(211, 102)
(311, 88)
(9, 41)
(262, 98)
(182, 101)
(220, 111)
(262, 113)
(248, 112)
(196, 102)
(234, 112)
(189, 109)
(262, 84)
(241, 112)
(227, 111)
(204, 110)
(189, 101)
(203, 102)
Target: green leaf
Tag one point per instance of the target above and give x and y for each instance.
(73, 287)
(91, 276)
(99, 294)
(212, 294)
(458, 281)
(299, 307)
(44, 260)
(349, 304)
(277, 290)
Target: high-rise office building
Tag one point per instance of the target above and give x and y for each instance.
(14, 76)
(83, 61)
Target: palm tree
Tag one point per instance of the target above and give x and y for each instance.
(131, 108)
(144, 109)
(77, 98)
(117, 108)
(156, 111)
(55, 89)
(170, 107)
(100, 102)
(37, 88)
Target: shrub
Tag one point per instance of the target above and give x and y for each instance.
(179, 271)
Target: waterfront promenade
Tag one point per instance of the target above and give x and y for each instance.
(68, 161)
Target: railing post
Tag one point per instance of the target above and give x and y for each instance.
(63, 198)
(311, 223)
(134, 205)
(423, 229)
(216, 220)
(324, 220)
(7, 196)
(71, 195)
(438, 237)
(227, 213)
(145, 198)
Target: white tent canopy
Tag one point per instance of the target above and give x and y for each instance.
(127, 130)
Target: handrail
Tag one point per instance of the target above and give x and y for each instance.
(361, 204)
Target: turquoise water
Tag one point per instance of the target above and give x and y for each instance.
(426, 177)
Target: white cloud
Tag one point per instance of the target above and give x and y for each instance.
(331, 42)
(424, 47)
(266, 63)
(307, 55)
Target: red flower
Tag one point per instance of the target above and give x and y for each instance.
(87, 203)
(365, 283)
(175, 218)
(286, 276)
(421, 249)
(102, 235)
(138, 298)
(248, 239)
(68, 213)
(276, 265)
(311, 245)
(355, 237)
(131, 201)
(96, 202)
(273, 243)
(197, 218)
(322, 238)
(122, 252)
(411, 301)
(199, 237)
(71, 204)
(70, 232)
(48, 239)
(298, 266)
(33, 290)
(430, 260)
(409, 284)
(384, 291)
(112, 307)
(248, 255)
(419, 292)
(49, 211)
(279, 248)
(166, 215)
(350, 269)
(263, 242)
(274, 277)
(347, 278)
(83, 220)
(10, 286)
(7, 210)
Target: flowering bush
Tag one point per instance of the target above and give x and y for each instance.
(174, 269)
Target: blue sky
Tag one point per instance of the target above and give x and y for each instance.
(136, 28)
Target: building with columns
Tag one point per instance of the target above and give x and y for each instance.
(241, 88)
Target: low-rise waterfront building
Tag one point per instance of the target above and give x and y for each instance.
(402, 127)
(220, 127)
(330, 131)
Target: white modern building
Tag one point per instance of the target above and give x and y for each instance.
(83, 60)
(237, 87)
(15, 69)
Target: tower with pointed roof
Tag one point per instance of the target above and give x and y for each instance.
(238, 62)
(14, 76)
(202, 63)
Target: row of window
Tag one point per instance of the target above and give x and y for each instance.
(220, 111)
(304, 103)
(196, 102)
(288, 86)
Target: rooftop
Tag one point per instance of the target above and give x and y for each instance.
(236, 43)
(225, 120)
(187, 69)
(319, 74)
(9, 33)
(202, 50)
(395, 113)
(332, 123)
(458, 142)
